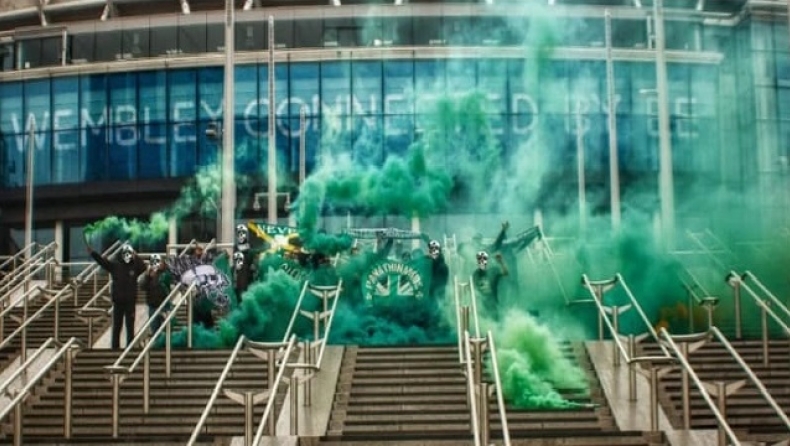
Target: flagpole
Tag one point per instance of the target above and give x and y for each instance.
(228, 190)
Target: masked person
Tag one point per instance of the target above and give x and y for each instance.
(123, 273)
(244, 267)
(485, 280)
(156, 283)
(468, 249)
(439, 270)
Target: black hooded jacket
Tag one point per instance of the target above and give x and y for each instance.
(124, 276)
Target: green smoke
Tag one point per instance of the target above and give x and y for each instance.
(533, 368)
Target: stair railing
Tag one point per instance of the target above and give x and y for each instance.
(17, 258)
(16, 404)
(724, 427)
(597, 290)
(20, 302)
(184, 247)
(272, 352)
(267, 419)
(471, 351)
(90, 312)
(739, 283)
(91, 273)
(35, 265)
(27, 321)
(698, 296)
(119, 372)
(313, 350)
(23, 269)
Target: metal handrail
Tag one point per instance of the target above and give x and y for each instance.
(700, 386)
(295, 312)
(26, 271)
(642, 314)
(15, 304)
(473, 299)
(23, 367)
(143, 332)
(29, 261)
(327, 329)
(102, 292)
(28, 320)
(752, 376)
(458, 320)
(14, 404)
(273, 390)
(15, 257)
(471, 391)
(217, 388)
(83, 276)
(500, 399)
(42, 371)
(764, 289)
(761, 303)
(117, 370)
(550, 261)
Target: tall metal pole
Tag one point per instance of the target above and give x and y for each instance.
(580, 169)
(228, 212)
(302, 144)
(272, 159)
(665, 180)
(31, 159)
(614, 163)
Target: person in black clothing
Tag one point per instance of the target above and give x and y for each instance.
(440, 273)
(244, 268)
(157, 286)
(124, 275)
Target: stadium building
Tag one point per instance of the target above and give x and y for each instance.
(122, 100)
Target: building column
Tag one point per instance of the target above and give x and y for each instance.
(60, 238)
(172, 233)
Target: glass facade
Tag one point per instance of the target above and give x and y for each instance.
(152, 124)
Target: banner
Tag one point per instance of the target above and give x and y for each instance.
(209, 275)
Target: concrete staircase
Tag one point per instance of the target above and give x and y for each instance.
(747, 411)
(176, 402)
(417, 395)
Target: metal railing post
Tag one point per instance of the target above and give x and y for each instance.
(616, 323)
(735, 282)
(722, 403)
(631, 368)
(294, 405)
(168, 348)
(308, 388)
(485, 419)
(146, 382)
(684, 377)
(248, 418)
(67, 397)
(18, 425)
(271, 371)
(190, 315)
(653, 398)
(764, 321)
(116, 390)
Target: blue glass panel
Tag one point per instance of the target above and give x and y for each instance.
(152, 155)
(43, 157)
(247, 93)
(11, 108)
(310, 146)
(304, 89)
(335, 87)
(492, 83)
(210, 91)
(184, 107)
(66, 103)
(398, 87)
(13, 173)
(94, 140)
(123, 152)
(367, 140)
(66, 156)
(152, 100)
(430, 85)
(461, 76)
(123, 101)
(94, 101)
(587, 87)
(207, 151)
(366, 85)
(398, 133)
(38, 103)
(249, 147)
